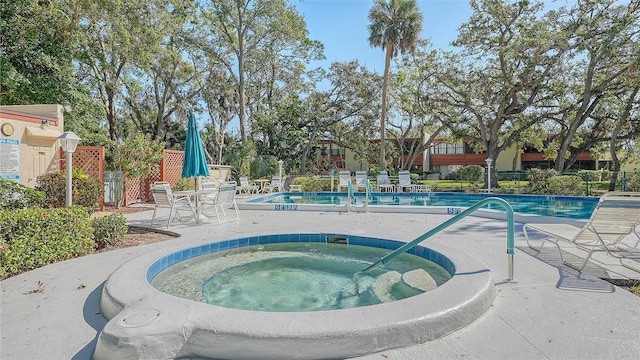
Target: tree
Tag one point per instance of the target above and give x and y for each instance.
(626, 120)
(167, 83)
(36, 61)
(237, 34)
(394, 26)
(137, 157)
(498, 86)
(220, 96)
(119, 38)
(295, 125)
(604, 39)
(413, 91)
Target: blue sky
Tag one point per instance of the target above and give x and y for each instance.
(341, 25)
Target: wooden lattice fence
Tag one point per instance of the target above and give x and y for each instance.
(170, 171)
(90, 159)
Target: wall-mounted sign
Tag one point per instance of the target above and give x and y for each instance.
(9, 159)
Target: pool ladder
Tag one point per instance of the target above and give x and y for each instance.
(492, 200)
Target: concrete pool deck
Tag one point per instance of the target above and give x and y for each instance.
(550, 313)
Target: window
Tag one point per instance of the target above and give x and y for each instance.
(448, 148)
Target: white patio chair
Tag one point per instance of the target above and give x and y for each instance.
(383, 184)
(164, 198)
(246, 187)
(404, 181)
(612, 228)
(344, 178)
(361, 181)
(276, 184)
(225, 199)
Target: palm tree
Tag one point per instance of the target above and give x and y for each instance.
(395, 26)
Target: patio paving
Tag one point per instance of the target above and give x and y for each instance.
(551, 312)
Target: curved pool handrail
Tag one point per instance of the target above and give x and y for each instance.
(367, 194)
(350, 195)
(492, 200)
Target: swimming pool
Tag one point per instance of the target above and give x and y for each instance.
(566, 207)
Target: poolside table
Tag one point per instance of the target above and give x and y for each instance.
(196, 194)
(261, 183)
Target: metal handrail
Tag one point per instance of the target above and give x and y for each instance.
(367, 194)
(492, 200)
(350, 195)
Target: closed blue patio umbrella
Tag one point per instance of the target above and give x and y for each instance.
(195, 162)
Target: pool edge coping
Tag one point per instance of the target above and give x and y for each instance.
(254, 334)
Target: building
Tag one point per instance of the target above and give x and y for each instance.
(29, 145)
(444, 157)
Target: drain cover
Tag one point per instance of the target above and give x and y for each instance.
(140, 318)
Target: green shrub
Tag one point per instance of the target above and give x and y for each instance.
(471, 173)
(86, 191)
(539, 180)
(184, 184)
(108, 229)
(16, 196)
(634, 183)
(31, 238)
(314, 184)
(566, 185)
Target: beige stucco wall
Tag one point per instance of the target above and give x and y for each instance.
(36, 128)
(506, 158)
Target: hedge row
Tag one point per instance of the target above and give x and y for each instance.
(30, 238)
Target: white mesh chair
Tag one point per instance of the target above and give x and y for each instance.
(224, 199)
(361, 181)
(612, 228)
(383, 184)
(344, 178)
(276, 184)
(164, 198)
(404, 181)
(246, 187)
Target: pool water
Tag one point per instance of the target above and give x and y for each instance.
(575, 207)
(288, 277)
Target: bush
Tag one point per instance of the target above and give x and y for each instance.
(566, 185)
(539, 180)
(314, 184)
(86, 191)
(634, 184)
(471, 173)
(108, 229)
(31, 238)
(184, 184)
(15, 196)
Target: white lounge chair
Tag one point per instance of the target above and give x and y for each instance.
(361, 181)
(225, 199)
(383, 184)
(612, 228)
(246, 187)
(404, 181)
(164, 198)
(344, 178)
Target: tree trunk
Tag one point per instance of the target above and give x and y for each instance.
(383, 112)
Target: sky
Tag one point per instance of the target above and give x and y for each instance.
(341, 25)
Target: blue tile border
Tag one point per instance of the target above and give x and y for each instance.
(171, 259)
